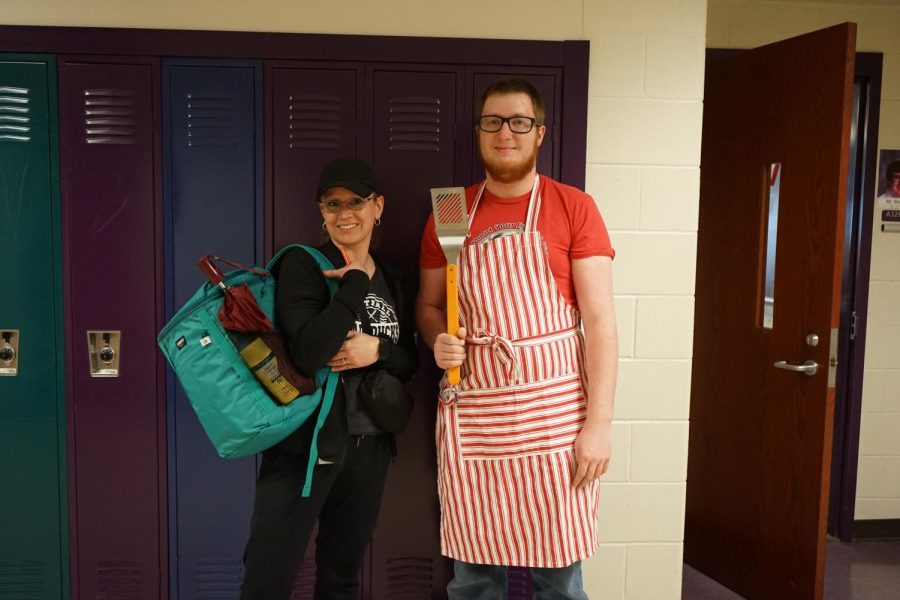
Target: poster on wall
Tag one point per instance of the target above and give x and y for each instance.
(887, 204)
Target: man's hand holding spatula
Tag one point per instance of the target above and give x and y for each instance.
(450, 350)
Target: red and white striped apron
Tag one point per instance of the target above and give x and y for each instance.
(505, 458)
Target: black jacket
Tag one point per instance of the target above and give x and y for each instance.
(315, 326)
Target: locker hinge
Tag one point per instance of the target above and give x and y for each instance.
(832, 357)
(853, 321)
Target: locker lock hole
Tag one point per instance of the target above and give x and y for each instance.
(9, 352)
(104, 350)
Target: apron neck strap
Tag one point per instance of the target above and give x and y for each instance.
(534, 204)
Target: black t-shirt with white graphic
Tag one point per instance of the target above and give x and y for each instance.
(380, 320)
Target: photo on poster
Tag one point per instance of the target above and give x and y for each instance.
(889, 176)
(887, 204)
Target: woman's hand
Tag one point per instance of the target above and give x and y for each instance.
(358, 350)
(351, 264)
(338, 273)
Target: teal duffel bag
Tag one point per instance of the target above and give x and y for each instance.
(236, 411)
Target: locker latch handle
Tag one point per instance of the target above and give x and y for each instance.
(9, 352)
(104, 351)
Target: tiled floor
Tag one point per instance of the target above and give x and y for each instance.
(857, 571)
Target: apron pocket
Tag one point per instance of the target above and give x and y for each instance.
(535, 418)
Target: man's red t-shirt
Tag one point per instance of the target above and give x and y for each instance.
(568, 221)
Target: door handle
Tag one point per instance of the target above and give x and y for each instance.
(809, 367)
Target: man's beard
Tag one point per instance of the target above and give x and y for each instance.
(504, 172)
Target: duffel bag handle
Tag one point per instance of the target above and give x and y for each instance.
(214, 273)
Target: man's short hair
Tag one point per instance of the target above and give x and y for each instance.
(893, 169)
(514, 85)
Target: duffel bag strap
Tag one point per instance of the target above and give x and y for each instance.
(333, 377)
(215, 275)
(327, 400)
(321, 260)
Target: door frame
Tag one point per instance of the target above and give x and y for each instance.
(855, 301)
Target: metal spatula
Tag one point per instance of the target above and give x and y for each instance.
(451, 223)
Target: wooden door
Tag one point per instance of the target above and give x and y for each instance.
(112, 260)
(33, 520)
(775, 134)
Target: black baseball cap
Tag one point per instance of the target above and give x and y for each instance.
(348, 172)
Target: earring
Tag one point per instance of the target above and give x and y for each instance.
(324, 227)
(377, 221)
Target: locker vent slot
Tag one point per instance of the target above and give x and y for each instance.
(410, 577)
(415, 123)
(217, 578)
(315, 122)
(306, 579)
(211, 121)
(120, 579)
(23, 579)
(109, 116)
(15, 123)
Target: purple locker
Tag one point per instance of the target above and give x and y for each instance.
(109, 156)
(313, 117)
(414, 123)
(406, 129)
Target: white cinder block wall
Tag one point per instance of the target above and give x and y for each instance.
(750, 23)
(644, 120)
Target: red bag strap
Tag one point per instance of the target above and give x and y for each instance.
(214, 273)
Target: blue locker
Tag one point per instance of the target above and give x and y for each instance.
(212, 123)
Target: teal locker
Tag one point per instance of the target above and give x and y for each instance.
(33, 511)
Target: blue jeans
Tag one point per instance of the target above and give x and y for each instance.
(488, 582)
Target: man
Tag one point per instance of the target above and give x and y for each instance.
(892, 182)
(524, 438)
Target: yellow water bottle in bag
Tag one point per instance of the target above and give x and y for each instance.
(263, 363)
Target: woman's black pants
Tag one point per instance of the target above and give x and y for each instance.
(345, 500)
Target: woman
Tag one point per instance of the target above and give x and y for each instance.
(366, 326)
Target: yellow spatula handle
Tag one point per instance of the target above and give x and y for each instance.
(452, 315)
